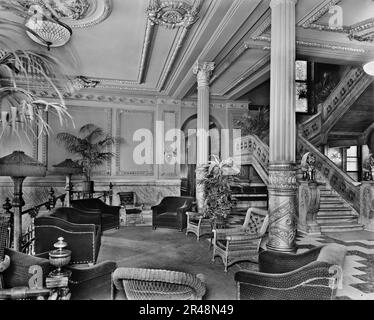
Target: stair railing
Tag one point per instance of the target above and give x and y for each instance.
(340, 181)
(255, 152)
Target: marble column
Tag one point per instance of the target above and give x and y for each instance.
(203, 71)
(282, 150)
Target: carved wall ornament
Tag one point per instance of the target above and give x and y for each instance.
(81, 82)
(172, 14)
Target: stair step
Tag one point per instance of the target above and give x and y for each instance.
(333, 227)
(336, 210)
(337, 221)
(333, 206)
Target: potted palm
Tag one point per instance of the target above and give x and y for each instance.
(91, 146)
(216, 177)
(256, 123)
(20, 107)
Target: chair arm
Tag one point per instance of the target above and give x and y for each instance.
(111, 209)
(80, 275)
(242, 237)
(280, 262)
(158, 209)
(319, 271)
(85, 218)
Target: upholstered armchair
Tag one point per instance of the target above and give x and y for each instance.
(171, 212)
(129, 202)
(92, 282)
(83, 239)
(77, 216)
(313, 275)
(156, 284)
(109, 214)
(242, 243)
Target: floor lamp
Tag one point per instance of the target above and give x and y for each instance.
(18, 166)
(67, 167)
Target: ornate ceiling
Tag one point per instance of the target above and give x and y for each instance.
(149, 47)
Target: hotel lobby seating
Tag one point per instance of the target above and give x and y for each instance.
(312, 275)
(83, 240)
(77, 216)
(156, 284)
(171, 212)
(109, 214)
(133, 209)
(92, 282)
(242, 243)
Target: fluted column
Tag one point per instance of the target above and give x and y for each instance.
(203, 71)
(282, 174)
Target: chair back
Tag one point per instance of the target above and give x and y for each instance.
(173, 203)
(127, 198)
(90, 204)
(256, 221)
(4, 224)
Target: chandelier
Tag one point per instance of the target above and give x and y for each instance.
(369, 68)
(46, 29)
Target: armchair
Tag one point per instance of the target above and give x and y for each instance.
(83, 239)
(77, 216)
(243, 243)
(16, 277)
(171, 212)
(155, 284)
(109, 214)
(312, 275)
(92, 282)
(129, 202)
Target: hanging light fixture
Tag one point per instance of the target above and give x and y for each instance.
(46, 29)
(369, 68)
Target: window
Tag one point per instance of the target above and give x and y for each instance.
(302, 86)
(352, 162)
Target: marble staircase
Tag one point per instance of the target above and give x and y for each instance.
(335, 214)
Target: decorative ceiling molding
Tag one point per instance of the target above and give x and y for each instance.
(77, 13)
(173, 14)
(309, 20)
(362, 31)
(263, 28)
(245, 75)
(81, 82)
(234, 56)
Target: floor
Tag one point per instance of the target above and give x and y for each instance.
(137, 245)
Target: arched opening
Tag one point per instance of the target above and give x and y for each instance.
(189, 147)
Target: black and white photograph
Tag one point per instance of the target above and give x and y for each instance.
(212, 150)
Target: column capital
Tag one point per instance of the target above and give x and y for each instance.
(274, 3)
(203, 71)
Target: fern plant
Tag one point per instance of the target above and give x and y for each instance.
(216, 177)
(90, 145)
(20, 107)
(256, 123)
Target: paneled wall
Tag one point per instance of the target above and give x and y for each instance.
(122, 118)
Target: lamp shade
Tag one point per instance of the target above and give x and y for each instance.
(369, 68)
(18, 164)
(67, 166)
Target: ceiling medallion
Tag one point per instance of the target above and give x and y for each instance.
(174, 13)
(76, 13)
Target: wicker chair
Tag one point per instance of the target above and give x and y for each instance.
(198, 224)
(243, 243)
(312, 275)
(133, 209)
(155, 284)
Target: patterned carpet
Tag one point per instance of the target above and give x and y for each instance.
(358, 271)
